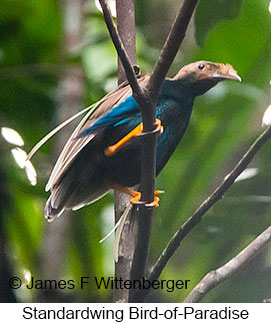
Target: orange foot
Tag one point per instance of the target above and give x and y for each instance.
(136, 196)
(111, 150)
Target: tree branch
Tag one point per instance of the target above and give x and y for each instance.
(207, 204)
(215, 277)
(152, 90)
(126, 29)
(171, 46)
(122, 54)
(148, 150)
(147, 101)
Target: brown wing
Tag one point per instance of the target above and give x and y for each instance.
(73, 147)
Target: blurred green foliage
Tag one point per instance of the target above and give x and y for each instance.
(206, 19)
(224, 123)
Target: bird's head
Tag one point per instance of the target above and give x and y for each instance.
(202, 76)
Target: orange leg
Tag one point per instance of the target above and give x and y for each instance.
(111, 150)
(136, 196)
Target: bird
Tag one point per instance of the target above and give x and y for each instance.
(104, 151)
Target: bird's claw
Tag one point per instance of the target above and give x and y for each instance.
(155, 203)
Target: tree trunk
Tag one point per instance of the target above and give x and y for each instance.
(126, 29)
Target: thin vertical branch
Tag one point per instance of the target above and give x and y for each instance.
(148, 172)
(127, 32)
(129, 71)
(171, 47)
(147, 99)
(126, 29)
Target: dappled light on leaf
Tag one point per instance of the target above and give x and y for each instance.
(267, 117)
(20, 157)
(247, 173)
(112, 6)
(12, 136)
(27, 275)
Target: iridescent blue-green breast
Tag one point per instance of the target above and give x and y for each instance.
(174, 111)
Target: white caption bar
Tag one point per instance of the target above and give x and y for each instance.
(83, 312)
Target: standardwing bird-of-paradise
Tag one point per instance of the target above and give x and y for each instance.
(104, 151)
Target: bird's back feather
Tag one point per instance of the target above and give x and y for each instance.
(74, 145)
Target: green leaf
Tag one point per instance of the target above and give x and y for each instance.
(210, 12)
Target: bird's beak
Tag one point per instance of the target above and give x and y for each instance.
(229, 76)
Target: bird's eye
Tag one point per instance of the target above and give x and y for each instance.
(201, 66)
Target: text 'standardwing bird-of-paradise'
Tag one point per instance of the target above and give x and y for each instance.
(104, 151)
